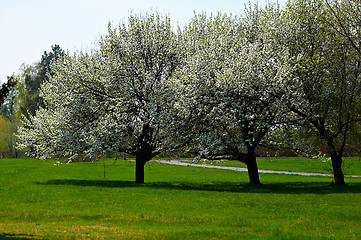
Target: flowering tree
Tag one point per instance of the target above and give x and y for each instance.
(325, 90)
(115, 99)
(230, 85)
(345, 19)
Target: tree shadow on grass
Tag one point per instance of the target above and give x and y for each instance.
(277, 188)
(18, 236)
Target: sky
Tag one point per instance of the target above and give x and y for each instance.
(30, 27)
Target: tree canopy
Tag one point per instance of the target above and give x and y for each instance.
(115, 99)
(231, 82)
(325, 87)
(220, 86)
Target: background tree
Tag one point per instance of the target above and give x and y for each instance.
(6, 88)
(115, 99)
(7, 126)
(230, 84)
(325, 91)
(30, 79)
(8, 129)
(20, 96)
(4, 133)
(7, 96)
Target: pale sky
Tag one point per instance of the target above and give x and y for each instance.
(30, 27)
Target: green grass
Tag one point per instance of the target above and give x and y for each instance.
(39, 200)
(295, 164)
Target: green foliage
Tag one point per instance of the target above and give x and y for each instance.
(41, 200)
(8, 124)
(6, 88)
(7, 138)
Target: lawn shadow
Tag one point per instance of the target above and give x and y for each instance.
(18, 236)
(277, 188)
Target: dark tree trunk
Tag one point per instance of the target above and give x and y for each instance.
(336, 160)
(253, 170)
(144, 152)
(337, 170)
(142, 157)
(251, 161)
(139, 170)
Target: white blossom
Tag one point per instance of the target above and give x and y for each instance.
(232, 78)
(114, 99)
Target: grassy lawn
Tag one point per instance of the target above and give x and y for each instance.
(294, 164)
(40, 200)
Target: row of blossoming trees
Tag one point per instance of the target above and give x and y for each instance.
(217, 84)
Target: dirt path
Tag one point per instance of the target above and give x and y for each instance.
(245, 169)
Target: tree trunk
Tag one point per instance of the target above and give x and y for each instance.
(337, 170)
(139, 170)
(253, 170)
(144, 152)
(336, 164)
(142, 157)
